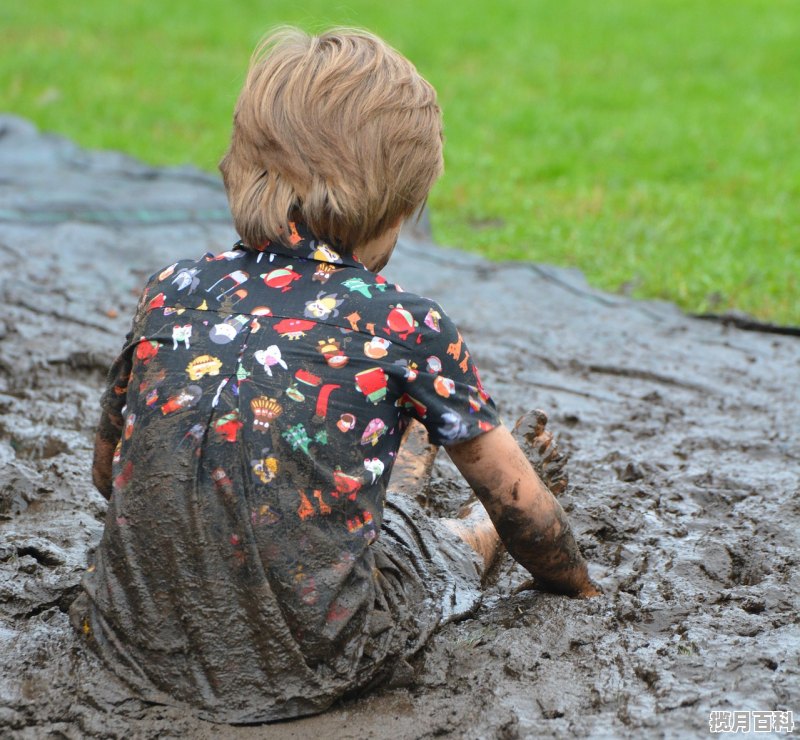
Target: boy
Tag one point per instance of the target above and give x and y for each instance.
(251, 565)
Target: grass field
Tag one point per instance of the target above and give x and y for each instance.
(654, 145)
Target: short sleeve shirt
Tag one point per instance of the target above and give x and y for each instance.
(263, 395)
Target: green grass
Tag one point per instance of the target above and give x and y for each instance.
(654, 145)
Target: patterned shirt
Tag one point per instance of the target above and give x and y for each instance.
(264, 395)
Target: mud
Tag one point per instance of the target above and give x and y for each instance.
(684, 479)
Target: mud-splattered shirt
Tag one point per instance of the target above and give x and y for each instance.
(264, 395)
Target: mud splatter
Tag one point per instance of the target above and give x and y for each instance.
(683, 494)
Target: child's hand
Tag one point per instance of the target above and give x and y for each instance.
(585, 590)
(588, 591)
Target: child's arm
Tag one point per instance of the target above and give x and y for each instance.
(529, 520)
(109, 430)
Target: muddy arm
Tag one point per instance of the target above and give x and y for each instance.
(109, 430)
(529, 520)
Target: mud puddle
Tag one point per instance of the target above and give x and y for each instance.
(684, 479)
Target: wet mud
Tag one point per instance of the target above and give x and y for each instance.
(684, 480)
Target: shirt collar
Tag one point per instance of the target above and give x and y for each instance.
(302, 244)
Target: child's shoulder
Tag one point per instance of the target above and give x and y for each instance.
(185, 277)
(376, 306)
(378, 293)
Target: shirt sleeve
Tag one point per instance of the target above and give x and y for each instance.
(114, 397)
(442, 387)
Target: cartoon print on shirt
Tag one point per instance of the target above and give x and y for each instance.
(434, 364)
(331, 350)
(265, 410)
(237, 277)
(229, 302)
(306, 508)
(280, 278)
(194, 437)
(127, 430)
(156, 302)
(184, 399)
(445, 387)
(146, 350)
(362, 524)
(228, 426)
(321, 252)
(227, 256)
(346, 485)
(377, 348)
(432, 319)
(324, 509)
(453, 427)
(353, 319)
(265, 468)
(187, 278)
(297, 437)
(373, 383)
(293, 329)
(401, 322)
(226, 331)
(359, 285)
(454, 350)
(181, 334)
(373, 432)
(324, 272)
(203, 365)
(175, 310)
(294, 236)
(375, 466)
(218, 393)
(412, 404)
(264, 515)
(346, 422)
(222, 483)
(308, 378)
(270, 357)
(323, 306)
(410, 369)
(122, 480)
(294, 393)
(166, 272)
(242, 374)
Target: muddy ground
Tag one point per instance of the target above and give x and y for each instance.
(685, 470)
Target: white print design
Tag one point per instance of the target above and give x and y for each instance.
(269, 357)
(181, 334)
(215, 400)
(237, 277)
(187, 278)
(374, 465)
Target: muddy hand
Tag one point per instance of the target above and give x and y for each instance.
(587, 590)
(540, 448)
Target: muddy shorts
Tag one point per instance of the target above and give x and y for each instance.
(449, 568)
(429, 577)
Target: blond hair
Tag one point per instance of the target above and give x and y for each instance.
(338, 130)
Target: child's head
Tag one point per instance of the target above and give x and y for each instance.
(337, 130)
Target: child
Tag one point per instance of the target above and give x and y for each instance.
(251, 565)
